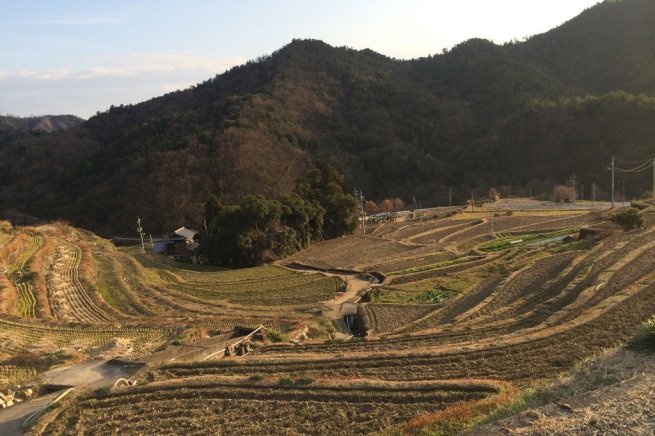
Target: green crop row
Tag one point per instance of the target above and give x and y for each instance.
(513, 240)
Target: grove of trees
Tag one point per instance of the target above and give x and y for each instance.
(259, 229)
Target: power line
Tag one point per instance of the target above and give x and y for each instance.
(639, 168)
(633, 162)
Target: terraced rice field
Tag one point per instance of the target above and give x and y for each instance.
(68, 299)
(468, 327)
(385, 318)
(12, 375)
(246, 407)
(350, 252)
(17, 272)
(19, 337)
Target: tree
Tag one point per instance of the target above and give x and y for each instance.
(386, 205)
(325, 189)
(240, 235)
(562, 193)
(493, 194)
(304, 216)
(259, 229)
(397, 204)
(371, 208)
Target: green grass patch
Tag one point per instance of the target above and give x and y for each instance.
(506, 242)
(434, 296)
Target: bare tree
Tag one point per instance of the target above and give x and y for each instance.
(562, 193)
(386, 205)
(371, 208)
(493, 194)
(398, 204)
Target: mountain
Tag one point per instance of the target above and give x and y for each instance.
(43, 124)
(479, 115)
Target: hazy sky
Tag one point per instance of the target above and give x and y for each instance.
(81, 56)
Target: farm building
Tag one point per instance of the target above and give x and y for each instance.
(182, 243)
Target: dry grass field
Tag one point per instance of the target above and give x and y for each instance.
(453, 331)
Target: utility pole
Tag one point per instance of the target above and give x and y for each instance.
(140, 231)
(623, 190)
(572, 182)
(359, 195)
(612, 168)
(582, 192)
(421, 209)
(450, 190)
(593, 193)
(492, 221)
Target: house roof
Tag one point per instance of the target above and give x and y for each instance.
(186, 233)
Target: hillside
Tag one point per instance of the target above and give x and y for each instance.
(536, 311)
(479, 115)
(44, 124)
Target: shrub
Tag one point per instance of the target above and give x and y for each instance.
(628, 218)
(275, 336)
(256, 377)
(304, 381)
(285, 381)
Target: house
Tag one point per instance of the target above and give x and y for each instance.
(182, 244)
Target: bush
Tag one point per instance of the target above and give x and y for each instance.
(256, 377)
(304, 381)
(285, 381)
(628, 218)
(275, 336)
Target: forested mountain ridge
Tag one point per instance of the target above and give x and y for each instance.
(476, 116)
(43, 124)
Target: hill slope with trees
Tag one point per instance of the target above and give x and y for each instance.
(476, 116)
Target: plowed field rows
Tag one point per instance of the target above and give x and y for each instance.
(68, 298)
(445, 327)
(525, 359)
(349, 252)
(17, 337)
(500, 224)
(26, 306)
(247, 408)
(384, 318)
(536, 293)
(411, 231)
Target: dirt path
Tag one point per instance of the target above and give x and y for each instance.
(87, 375)
(11, 419)
(90, 374)
(355, 288)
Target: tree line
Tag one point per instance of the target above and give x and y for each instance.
(258, 229)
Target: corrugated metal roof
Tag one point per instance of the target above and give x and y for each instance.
(186, 233)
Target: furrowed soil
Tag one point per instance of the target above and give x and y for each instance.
(451, 333)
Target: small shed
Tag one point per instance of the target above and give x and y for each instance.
(183, 243)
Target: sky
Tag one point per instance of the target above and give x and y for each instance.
(81, 56)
